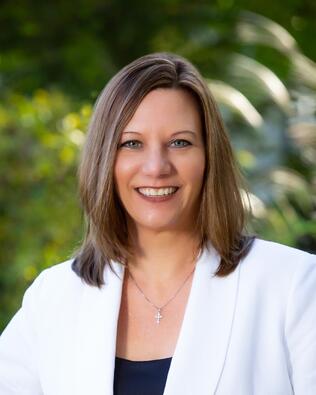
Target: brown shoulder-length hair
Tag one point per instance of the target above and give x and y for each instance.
(222, 217)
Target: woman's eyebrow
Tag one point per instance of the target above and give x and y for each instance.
(173, 134)
(131, 131)
(184, 131)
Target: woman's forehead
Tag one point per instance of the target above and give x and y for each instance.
(174, 108)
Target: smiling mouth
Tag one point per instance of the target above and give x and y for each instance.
(156, 192)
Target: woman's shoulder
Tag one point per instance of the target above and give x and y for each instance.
(271, 262)
(54, 283)
(61, 272)
(277, 249)
(272, 253)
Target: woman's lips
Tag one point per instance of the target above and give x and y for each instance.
(157, 199)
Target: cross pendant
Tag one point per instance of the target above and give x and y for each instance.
(158, 317)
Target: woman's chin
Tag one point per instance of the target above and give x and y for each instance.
(157, 225)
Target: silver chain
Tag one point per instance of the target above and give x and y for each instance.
(159, 309)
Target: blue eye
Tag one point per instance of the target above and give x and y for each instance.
(134, 144)
(179, 143)
(131, 144)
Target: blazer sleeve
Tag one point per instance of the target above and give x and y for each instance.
(18, 348)
(300, 329)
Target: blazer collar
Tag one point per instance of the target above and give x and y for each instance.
(202, 344)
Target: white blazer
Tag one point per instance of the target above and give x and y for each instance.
(251, 333)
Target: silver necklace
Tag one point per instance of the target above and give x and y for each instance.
(158, 315)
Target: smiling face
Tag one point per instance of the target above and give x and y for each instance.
(160, 162)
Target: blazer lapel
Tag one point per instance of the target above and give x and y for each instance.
(202, 346)
(95, 338)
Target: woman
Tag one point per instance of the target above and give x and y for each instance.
(167, 294)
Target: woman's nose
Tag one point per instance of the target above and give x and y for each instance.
(156, 163)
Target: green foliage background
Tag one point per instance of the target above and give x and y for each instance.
(57, 56)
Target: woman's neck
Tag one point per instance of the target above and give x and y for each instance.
(164, 257)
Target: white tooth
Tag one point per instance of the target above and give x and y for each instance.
(157, 192)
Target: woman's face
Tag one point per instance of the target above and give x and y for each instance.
(160, 162)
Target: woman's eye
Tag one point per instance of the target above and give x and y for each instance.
(134, 144)
(131, 144)
(180, 143)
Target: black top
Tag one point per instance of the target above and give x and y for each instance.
(140, 377)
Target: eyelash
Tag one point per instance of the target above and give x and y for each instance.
(126, 143)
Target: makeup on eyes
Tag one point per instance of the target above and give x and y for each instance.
(187, 142)
(184, 143)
